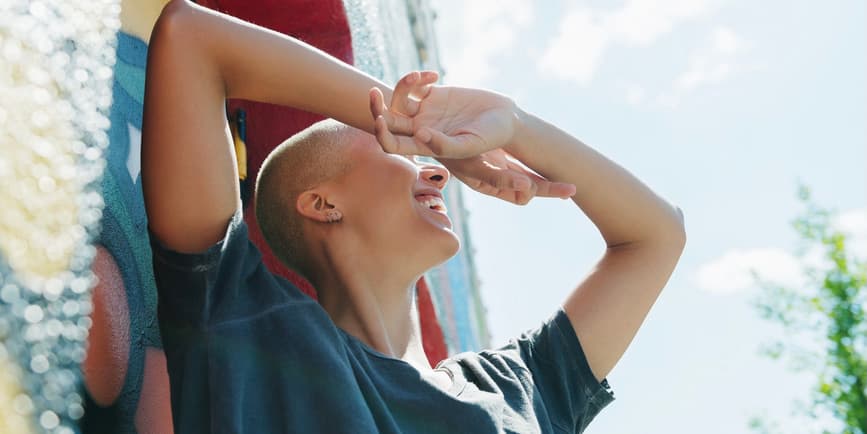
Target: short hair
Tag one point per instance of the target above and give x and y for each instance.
(307, 159)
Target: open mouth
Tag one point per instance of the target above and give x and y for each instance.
(432, 202)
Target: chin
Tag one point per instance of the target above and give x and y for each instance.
(433, 231)
(448, 246)
(455, 245)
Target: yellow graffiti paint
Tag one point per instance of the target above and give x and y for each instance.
(137, 17)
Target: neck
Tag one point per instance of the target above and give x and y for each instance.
(378, 308)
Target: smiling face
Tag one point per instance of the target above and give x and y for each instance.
(394, 205)
(393, 214)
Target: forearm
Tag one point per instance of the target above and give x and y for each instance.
(262, 65)
(624, 209)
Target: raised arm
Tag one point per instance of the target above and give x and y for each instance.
(644, 234)
(196, 59)
(644, 237)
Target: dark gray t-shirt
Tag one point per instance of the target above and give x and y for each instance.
(248, 352)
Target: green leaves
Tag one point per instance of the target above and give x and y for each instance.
(829, 312)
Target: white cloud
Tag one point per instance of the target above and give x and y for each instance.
(641, 22)
(713, 63)
(585, 34)
(725, 40)
(854, 224)
(634, 94)
(488, 28)
(730, 273)
(576, 52)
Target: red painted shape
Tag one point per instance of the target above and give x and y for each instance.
(105, 364)
(154, 412)
(321, 23)
(431, 334)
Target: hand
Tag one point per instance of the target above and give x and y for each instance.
(498, 174)
(472, 151)
(397, 118)
(441, 121)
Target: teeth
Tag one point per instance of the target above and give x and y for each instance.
(433, 202)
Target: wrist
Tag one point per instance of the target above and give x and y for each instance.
(522, 124)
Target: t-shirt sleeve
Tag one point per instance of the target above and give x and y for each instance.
(219, 284)
(240, 342)
(571, 394)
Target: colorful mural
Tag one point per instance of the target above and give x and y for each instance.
(125, 384)
(125, 378)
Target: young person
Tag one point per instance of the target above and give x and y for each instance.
(247, 352)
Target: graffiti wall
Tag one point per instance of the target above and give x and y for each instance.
(124, 385)
(125, 379)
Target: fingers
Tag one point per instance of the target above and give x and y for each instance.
(486, 178)
(400, 97)
(398, 144)
(555, 189)
(498, 175)
(518, 197)
(544, 187)
(425, 82)
(410, 90)
(487, 175)
(377, 103)
(395, 122)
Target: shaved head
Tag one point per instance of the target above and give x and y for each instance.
(313, 156)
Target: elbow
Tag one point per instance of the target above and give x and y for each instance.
(678, 236)
(667, 234)
(174, 17)
(670, 236)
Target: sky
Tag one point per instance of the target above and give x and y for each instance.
(721, 107)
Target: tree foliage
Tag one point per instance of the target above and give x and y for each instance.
(826, 331)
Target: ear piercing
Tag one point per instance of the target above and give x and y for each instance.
(333, 216)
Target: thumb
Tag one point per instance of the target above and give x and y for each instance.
(397, 144)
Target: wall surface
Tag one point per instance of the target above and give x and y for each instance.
(125, 383)
(125, 379)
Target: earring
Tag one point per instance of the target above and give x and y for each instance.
(333, 216)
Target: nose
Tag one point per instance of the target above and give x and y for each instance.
(435, 175)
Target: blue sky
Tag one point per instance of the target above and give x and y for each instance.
(720, 107)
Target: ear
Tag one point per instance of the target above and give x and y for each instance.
(313, 205)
